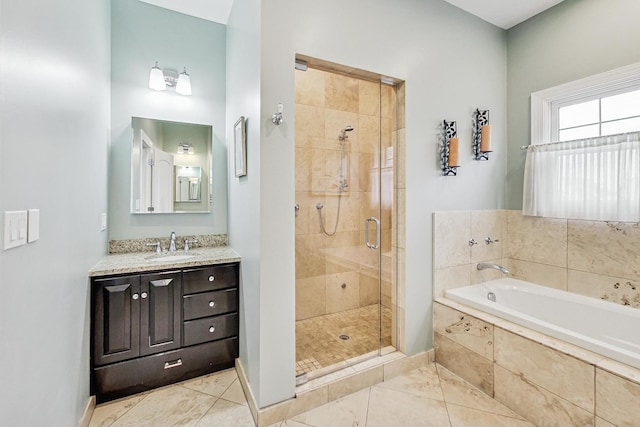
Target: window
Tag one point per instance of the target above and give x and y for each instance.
(603, 116)
(584, 157)
(604, 104)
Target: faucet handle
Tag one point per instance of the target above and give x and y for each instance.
(157, 245)
(186, 244)
(489, 240)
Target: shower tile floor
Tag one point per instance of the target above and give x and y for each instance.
(318, 342)
(427, 396)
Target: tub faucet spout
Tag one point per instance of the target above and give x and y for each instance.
(485, 265)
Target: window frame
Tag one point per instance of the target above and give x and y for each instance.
(546, 103)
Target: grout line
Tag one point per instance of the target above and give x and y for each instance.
(366, 415)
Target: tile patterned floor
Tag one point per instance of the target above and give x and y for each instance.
(427, 396)
(318, 342)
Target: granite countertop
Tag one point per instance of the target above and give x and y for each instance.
(144, 261)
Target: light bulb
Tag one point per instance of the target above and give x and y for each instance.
(156, 78)
(184, 83)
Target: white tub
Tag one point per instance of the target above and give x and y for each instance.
(609, 329)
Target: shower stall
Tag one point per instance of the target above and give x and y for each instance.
(346, 135)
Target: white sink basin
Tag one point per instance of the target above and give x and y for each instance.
(170, 258)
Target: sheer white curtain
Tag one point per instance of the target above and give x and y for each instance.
(592, 179)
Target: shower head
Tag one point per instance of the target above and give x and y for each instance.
(343, 133)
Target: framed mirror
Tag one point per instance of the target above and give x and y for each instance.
(171, 167)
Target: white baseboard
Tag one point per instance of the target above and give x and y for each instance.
(88, 412)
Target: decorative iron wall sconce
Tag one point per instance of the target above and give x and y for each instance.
(449, 153)
(481, 135)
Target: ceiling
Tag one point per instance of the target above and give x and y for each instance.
(504, 13)
(501, 13)
(212, 10)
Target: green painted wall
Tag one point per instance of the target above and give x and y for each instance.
(142, 34)
(575, 39)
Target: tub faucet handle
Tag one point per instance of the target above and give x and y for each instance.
(472, 242)
(489, 241)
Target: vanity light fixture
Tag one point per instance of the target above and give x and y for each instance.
(183, 87)
(156, 78)
(185, 148)
(159, 79)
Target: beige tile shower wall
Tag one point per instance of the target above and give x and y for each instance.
(326, 103)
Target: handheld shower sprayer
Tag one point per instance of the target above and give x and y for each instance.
(343, 133)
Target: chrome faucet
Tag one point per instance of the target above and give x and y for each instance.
(485, 265)
(172, 243)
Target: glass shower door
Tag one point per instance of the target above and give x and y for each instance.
(344, 196)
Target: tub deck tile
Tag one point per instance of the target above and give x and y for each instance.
(465, 363)
(617, 399)
(464, 329)
(540, 365)
(538, 405)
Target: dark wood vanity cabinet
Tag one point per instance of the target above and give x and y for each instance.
(154, 329)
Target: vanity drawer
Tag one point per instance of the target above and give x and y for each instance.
(210, 303)
(210, 278)
(210, 328)
(142, 374)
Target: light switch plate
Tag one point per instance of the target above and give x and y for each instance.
(15, 229)
(103, 221)
(33, 231)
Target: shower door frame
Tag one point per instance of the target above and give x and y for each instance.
(379, 158)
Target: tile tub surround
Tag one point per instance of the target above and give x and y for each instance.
(598, 259)
(138, 262)
(547, 381)
(140, 245)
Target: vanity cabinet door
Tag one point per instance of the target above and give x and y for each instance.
(116, 314)
(160, 316)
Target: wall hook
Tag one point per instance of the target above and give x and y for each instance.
(277, 118)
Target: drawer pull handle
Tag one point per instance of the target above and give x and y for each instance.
(135, 296)
(169, 365)
(144, 295)
(212, 304)
(212, 329)
(211, 278)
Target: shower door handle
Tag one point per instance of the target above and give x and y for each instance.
(366, 232)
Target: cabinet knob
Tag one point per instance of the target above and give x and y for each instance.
(144, 295)
(212, 329)
(135, 296)
(211, 278)
(212, 304)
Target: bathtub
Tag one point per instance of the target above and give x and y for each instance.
(606, 328)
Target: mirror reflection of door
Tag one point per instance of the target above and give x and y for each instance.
(187, 184)
(162, 181)
(146, 168)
